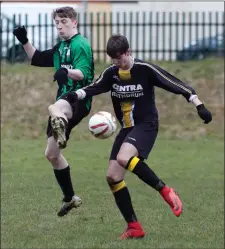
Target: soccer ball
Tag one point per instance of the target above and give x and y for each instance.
(102, 125)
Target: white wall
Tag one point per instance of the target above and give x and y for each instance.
(169, 6)
(185, 6)
(32, 9)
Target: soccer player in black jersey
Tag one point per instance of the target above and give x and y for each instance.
(131, 82)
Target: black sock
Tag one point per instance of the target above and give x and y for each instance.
(65, 183)
(141, 169)
(123, 200)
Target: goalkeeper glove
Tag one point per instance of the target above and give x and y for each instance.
(204, 114)
(61, 76)
(21, 34)
(71, 95)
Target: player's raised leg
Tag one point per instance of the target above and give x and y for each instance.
(60, 112)
(141, 169)
(129, 157)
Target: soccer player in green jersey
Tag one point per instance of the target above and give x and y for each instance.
(72, 59)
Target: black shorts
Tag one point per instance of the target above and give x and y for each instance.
(80, 112)
(142, 136)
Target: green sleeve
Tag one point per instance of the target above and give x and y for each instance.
(83, 60)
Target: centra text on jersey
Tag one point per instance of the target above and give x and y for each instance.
(128, 88)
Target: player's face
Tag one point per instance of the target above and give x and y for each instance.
(66, 27)
(123, 61)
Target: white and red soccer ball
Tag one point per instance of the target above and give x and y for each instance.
(102, 125)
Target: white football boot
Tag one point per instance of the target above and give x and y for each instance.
(67, 206)
(59, 126)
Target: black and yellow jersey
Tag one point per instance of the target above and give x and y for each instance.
(132, 91)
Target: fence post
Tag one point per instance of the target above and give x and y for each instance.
(196, 27)
(39, 30)
(137, 34)
(170, 36)
(131, 33)
(177, 32)
(190, 27)
(150, 32)
(105, 34)
(157, 35)
(164, 35)
(14, 41)
(144, 37)
(183, 28)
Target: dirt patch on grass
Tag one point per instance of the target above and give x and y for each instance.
(26, 93)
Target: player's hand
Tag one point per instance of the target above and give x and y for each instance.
(72, 96)
(21, 34)
(204, 114)
(61, 76)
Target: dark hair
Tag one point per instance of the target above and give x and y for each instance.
(117, 45)
(65, 12)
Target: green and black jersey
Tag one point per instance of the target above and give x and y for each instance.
(75, 53)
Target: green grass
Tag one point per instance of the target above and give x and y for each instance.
(188, 156)
(27, 91)
(31, 197)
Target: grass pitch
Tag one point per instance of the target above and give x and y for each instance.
(31, 197)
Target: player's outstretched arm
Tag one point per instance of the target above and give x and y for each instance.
(99, 86)
(203, 112)
(164, 80)
(38, 58)
(21, 35)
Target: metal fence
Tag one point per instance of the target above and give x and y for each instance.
(152, 35)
